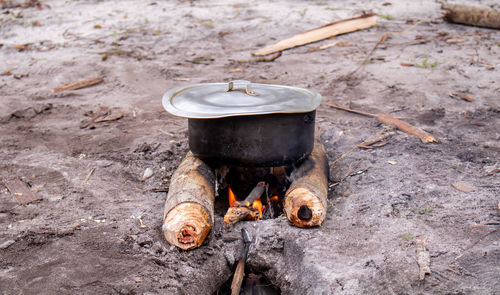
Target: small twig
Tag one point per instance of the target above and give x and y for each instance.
(380, 41)
(462, 96)
(351, 169)
(369, 143)
(160, 190)
(259, 59)
(88, 176)
(351, 110)
(343, 155)
(268, 59)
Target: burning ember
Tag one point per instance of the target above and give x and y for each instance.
(254, 207)
(248, 204)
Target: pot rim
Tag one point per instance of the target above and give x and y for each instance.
(315, 100)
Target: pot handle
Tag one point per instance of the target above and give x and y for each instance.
(241, 85)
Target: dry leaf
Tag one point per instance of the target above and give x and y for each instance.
(464, 187)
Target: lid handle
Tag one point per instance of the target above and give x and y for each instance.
(241, 85)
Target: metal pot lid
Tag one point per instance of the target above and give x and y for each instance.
(238, 98)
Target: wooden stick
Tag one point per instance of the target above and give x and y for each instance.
(254, 194)
(305, 200)
(332, 29)
(351, 110)
(387, 119)
(189, 209)
(470, 15)
(405, 127)
(78, 85)
(239, 273)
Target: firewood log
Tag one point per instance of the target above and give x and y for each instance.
(189, 209)
(471, 15)
(305, 200)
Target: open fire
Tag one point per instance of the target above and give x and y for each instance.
(261, 202)
(256, 205)
(299, 191)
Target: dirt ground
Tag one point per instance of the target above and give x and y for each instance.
(86, 238)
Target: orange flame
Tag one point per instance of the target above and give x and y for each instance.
(274, 199)
(232, 198)
(257, 204)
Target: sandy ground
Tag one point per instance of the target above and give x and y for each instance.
(87, 239)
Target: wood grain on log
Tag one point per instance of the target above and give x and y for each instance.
(305, 200)
(189, 209)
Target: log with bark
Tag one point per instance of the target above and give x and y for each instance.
(470, 15)
(306, 198)
(189, 209)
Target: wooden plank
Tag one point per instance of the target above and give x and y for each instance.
(329, 30)
(21, 192)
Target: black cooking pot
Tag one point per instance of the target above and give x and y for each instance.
(247, 124)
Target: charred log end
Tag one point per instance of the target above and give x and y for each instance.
(304, 213)
(186, 226)
(297, 204)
